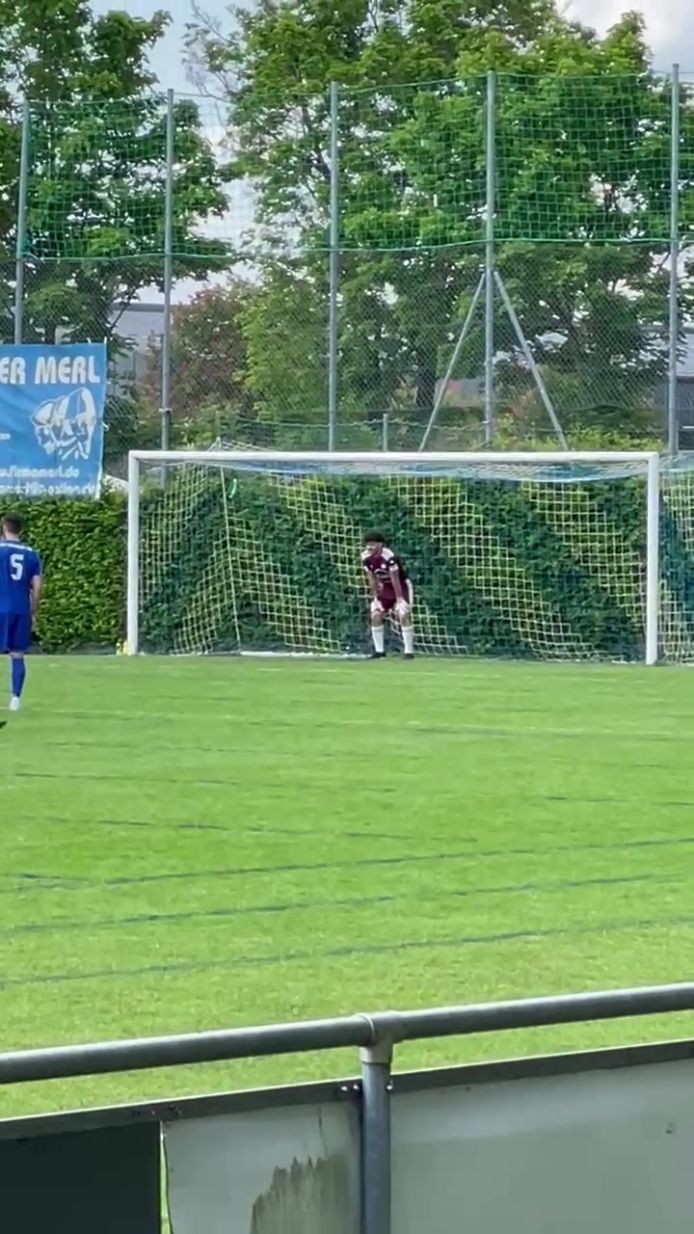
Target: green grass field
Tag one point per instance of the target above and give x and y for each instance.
(191, 844)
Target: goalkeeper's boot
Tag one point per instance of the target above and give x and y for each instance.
(378, 655)
(14, 703)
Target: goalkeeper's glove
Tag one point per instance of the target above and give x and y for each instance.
(402, 610)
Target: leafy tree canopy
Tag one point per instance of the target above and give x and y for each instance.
(94, 223)
(581, 186)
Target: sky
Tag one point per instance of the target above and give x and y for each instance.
(670, 34)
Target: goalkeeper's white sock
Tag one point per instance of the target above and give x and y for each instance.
(408, 639)
(379, 639)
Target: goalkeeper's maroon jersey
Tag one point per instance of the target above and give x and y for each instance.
(379, 566)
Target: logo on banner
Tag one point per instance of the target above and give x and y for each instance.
(65, 427)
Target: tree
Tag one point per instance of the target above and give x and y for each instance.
(96, 189)
(582, 193)
(285, 328)
(276, 80)
(210, 394)
(582, 135)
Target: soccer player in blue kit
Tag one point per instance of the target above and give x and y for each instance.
(20, 589)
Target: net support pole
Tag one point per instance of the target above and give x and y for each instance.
(673, 299)
(530, 361)
(441, 394)
(132, 633)
(20, 248)
(168, 275)
(490, 158)
(334, 270)
(376, 1138)
(652, 558)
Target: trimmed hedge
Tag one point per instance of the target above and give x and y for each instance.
(82, 544)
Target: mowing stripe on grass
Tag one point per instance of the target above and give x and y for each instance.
(211, 914)
(292, 957)
(359, 862)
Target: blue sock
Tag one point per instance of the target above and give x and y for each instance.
(19, 673)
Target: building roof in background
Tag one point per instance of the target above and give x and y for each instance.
(138, 322)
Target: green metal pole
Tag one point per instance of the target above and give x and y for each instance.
(673, 305)
(21, 226)
(334, 272)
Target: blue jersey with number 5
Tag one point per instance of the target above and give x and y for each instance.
(19, 564)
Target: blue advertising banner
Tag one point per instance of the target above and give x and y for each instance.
(52, 419)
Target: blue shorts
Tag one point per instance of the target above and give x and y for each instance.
(15, 632)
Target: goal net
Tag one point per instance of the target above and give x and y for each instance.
(556, 557)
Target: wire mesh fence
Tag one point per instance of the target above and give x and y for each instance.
(502, 258)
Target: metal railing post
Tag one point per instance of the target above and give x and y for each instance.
(375, 1138)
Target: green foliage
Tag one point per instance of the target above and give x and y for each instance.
(127, 422)
(285, 327)
(95, 212)
(82, 544)
(210, 393)
(582, 132)
(96, 186)
(208, 349)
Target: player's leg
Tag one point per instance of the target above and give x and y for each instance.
(18, 642)
(17, 678)
(377, 631)
(5, 638)
(407, 626)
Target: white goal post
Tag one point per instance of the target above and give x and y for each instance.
(546, 555)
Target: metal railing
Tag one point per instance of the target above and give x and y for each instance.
(375, 1035)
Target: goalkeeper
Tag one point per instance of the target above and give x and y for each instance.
(390, 589)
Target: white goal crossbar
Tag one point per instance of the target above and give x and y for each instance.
(555, 467)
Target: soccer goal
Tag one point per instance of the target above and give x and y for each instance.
(567, 556)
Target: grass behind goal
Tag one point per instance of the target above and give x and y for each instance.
(198, 843)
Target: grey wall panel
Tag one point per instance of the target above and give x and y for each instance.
(86, 1182)
(292, 1170)
(610, 1152)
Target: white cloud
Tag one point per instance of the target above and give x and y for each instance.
(669, 29)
